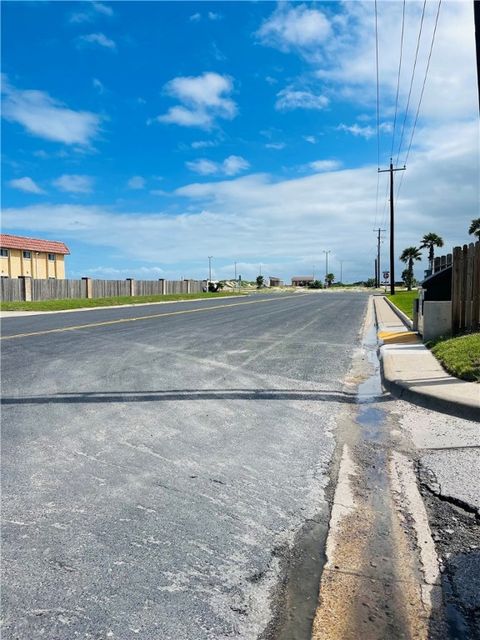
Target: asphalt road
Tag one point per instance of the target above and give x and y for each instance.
(155, 468)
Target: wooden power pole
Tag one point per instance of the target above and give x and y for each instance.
(391, 170)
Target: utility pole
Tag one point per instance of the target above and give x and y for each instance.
(260, 268)
(313, 273)
(377, 269)
(326, 263)
(209, 271)
(341, 271)
(235, 271)
(391, 170)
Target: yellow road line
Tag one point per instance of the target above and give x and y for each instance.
(137, 318)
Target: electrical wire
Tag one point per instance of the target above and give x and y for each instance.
(421, 93)
(411, 81)
(398, 78)
(378, 112)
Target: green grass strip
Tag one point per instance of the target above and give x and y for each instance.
(404, 301)
(460, 356)
(85, 303)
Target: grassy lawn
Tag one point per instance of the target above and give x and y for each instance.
(404, 301)
(460, 356)
(83, 303)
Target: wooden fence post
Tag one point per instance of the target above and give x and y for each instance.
(469, 286)
(463, 289)
(476, 287)
(88, 287)
(27, 288)
(456, 288)
(131, 281)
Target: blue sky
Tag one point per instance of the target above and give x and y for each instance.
(150, 135)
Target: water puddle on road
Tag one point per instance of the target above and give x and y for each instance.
(370, 587)
(366, 584)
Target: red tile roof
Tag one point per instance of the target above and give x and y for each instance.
(32, 244)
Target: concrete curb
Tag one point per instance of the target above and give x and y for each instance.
(403, 317)
(441, 392)
(433, 401)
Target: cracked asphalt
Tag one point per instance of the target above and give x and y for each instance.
(157, 471)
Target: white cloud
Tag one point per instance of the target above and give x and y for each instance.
(98, 85)
(142, 273)
(214, 16)
(203, 144)
(275, 145)
(195, 17)
(80, 17)
(232, 219)
(99, 39)
(295, 28)
(325, 165)
(229, 167)
(26, 184)
(203, 166)
(74, 183)
(342, 56)
(234, 164)
(90, 15)
(289, 99)
(136, 182)
(348, 58)
(102, 8)
(48, 118)
(187, 117)
(271, 80)
(204, 98)
(310, 139)
(366, 131)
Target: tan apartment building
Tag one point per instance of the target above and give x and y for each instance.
(31, 257)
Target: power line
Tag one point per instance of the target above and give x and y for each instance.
(411, 81)
(398, 77)
(378, 112)
(378, 86)
(422, 91)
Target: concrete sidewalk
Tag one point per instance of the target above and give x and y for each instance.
(411, 372)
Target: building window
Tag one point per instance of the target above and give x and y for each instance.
(27, 255)
(4, 253)
(51, 257)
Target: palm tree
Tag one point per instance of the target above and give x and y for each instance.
(329, 279)
(408, 256)
(474, 229)
(431, 240)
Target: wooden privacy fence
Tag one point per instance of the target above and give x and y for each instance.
(26, 289)
(442, 262)
(466, 288)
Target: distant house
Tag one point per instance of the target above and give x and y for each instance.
(301, 281)
(31, 257)
(275, 282)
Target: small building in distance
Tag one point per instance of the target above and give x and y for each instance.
(275, 282)
(31, 257)
(301, 281)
